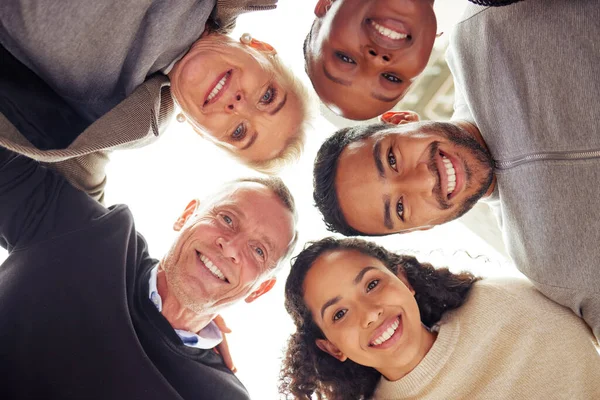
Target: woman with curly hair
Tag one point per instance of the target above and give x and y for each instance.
(371, 323)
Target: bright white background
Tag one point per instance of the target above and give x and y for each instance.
(158, 181)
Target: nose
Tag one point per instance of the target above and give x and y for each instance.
(237, 103)
(230, 249)
(417, 180)
(378, 56)
(371, 313)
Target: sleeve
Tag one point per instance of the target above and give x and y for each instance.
(585, 304)
(86, 173)
(36, 203)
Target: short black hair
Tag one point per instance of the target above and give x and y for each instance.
(325, 171)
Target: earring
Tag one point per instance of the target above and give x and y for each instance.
(328, 6)
(439, 34)
(246, 38)
(180, 117)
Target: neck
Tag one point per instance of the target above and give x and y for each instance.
(404, 367)
(179, 316)
(476, 134)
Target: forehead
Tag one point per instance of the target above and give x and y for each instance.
(260, 209)
(333, 273)
(275, 131)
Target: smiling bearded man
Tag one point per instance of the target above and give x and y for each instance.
(539, 121)
(88, 314)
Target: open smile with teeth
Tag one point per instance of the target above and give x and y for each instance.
(389, 33)
(217, 88)
(387, 334)
(212, 268)
(451, 173)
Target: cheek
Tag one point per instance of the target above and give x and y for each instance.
(215, 125)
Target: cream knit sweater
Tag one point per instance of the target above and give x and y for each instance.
(507, 341)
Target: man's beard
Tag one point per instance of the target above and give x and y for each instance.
(483, 160)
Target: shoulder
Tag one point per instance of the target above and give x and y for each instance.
(507, 301)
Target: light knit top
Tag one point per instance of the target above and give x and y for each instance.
(507, 341)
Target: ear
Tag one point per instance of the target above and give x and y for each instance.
(331, 349)
(399, 117)
(261, 46)
(322, 7)
(262, 289)
(187, 213)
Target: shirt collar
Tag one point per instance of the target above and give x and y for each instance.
(209, 337)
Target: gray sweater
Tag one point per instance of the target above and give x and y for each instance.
(95, 53)
(527, 76)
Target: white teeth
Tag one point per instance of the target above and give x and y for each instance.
(388, 32)
(387, 334)
(217, 88)
(451, 174)
(211, 267)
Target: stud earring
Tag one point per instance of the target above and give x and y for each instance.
(180, 117)
(246, 38)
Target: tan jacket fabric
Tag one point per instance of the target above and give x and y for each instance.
(137, 121)
(508, 341)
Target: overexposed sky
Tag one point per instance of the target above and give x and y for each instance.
(158, 181)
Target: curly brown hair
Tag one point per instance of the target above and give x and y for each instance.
(307, 370)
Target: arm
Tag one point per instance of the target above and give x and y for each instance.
(36, 203)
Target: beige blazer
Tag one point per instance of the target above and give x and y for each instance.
(135, 122)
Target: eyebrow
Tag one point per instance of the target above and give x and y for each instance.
(387, 217)
(375, 95)
(251, 141)
(359, 277)
(377, 159)
(384, 98)
(279, 106)
(334, 79)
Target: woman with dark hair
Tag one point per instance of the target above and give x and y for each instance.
(371, 323)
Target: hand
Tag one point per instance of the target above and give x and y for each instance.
(223, 347)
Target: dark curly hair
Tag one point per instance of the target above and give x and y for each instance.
(308, 371)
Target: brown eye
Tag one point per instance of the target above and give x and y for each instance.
(338, 315)
(344, 58)
(392, 160)
(372, 285)
(400, 209)
(391, 77)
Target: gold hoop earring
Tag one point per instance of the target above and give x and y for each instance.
(180, 117)
(439, 34)
(246, 38)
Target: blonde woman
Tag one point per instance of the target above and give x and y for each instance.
(88, 79)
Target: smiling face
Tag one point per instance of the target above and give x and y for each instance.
(367, 313)
(227, 246)
(410, 176)
(232, 93)
(364, 54)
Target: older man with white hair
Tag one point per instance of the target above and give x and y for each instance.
(87, 313)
